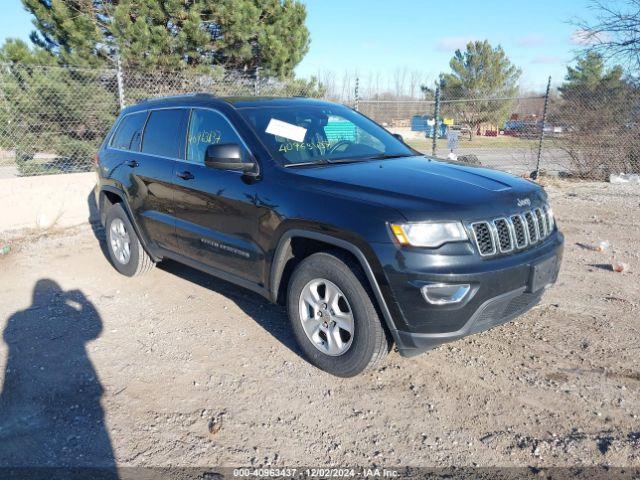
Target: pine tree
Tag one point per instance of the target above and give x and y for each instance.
(70, 30)
(480, 73)
(594, 96)
(590, 76)
(240, 35)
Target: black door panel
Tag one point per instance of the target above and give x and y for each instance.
(151, 195)
(216, 215)
(216, 221)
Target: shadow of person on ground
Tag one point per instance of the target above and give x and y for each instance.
(270, 317)
(50, 412)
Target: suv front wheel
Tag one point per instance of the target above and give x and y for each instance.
(125, 251)
(333, 317)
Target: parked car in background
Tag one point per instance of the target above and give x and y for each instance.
(310, 204)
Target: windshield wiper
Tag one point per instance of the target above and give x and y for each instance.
(325, 161)
(385, 156)
(320, 161)
(347, 160)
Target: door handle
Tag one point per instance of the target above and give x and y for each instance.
(185, 175)
(132, 163)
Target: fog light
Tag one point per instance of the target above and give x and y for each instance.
(445, 293)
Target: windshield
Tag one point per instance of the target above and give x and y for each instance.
(297, 135)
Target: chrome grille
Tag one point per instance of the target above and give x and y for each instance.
(542, 222)
(484, 238)
(550, 221)
(503, 231)
(518, 228)
(532, 227)
(516, 232)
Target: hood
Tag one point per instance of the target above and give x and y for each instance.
(421, 188)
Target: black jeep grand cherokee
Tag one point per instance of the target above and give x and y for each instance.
(309, 203)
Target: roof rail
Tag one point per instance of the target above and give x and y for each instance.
(194, 94)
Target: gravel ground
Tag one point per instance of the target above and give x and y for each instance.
(178, 368)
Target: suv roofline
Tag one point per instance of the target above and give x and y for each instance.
(199, 98)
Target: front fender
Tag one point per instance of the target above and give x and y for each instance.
(349, 242)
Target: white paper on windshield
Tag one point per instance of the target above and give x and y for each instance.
(286, 130)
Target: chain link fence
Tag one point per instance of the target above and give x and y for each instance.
(597, 130)
(588, 133)
(459, 133)
(52, 119)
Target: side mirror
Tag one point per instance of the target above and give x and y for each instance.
(398, 136)
(226, 156)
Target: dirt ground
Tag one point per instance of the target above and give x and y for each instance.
(179, 368)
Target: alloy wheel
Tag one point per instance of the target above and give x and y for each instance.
(326, 317)
(120, 241)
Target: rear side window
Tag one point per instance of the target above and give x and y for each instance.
(129, 132)
(165, 133)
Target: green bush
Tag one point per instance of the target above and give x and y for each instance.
(55, 118)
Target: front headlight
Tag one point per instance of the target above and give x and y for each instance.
(429, 234)
(551, 220)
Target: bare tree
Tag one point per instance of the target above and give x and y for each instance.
(615, 34)
(377, 80)
(347, 90)
(399, 81)
(327, 79)
(415, 77)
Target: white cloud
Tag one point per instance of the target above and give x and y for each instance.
(450, 44)
(532, 40)
(547, 59)
(585, 38)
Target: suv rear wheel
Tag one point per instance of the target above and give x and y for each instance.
(125, 251)
(333, 317)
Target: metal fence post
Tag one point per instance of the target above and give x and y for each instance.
(5, 102)
(436, 114)
(256, 83)
(357, 94)
(120, 82)
(536, 172)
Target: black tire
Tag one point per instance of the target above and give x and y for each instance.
(139, 261)
(370, 342)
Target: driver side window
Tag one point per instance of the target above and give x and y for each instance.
(208, 127)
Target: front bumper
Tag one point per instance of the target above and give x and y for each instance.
(494, 311)
(501, 289)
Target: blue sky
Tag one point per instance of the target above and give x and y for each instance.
(380, 35)
(370, 36)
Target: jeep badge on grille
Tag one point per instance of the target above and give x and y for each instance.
(523, 202)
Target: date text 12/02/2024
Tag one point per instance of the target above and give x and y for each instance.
(316, 472)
